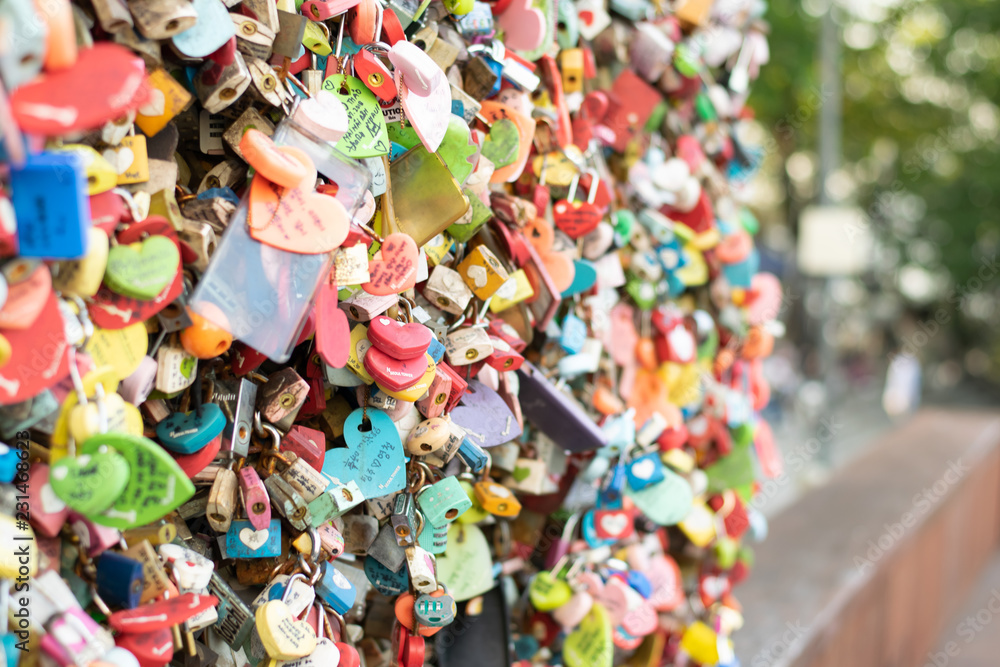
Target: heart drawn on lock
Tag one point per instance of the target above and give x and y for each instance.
(400, 340)
(523, 25)
(254, 539)
(643, 469)
(296, 219)
(89, 484)
(614, 525)
(143, 272)
(38, 358)
(576, 218)
(25, 299)
(394, 268)
(283, 637)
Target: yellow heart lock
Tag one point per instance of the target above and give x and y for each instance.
(82, 277)
(283, 637)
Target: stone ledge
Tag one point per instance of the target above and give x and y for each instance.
(868, 569)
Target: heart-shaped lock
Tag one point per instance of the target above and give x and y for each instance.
(386, 581)
(523, 25)
(153, 646)
(502, 144)
(283, 637)
(665, 502)
(394, 268)
(326, 654)
(373, 456)
(142, 270)
(296, 219)
(111, 310)
(485, 416)
(105, 83)
(119, 416)
(186, 433)
(590, 644)
(548, 591)
(156, 484)
(576, 218)
(400, 340)
(163, 613)
(366, 135)
(458, 150)
(466, 567)
(38, 358)
(287, 166)
(573, 612)
(333, 331)
(394, 374)
(192, 464)
(26, 297)
(427, 113)
(89, 484)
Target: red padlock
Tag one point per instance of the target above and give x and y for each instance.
(375, 75)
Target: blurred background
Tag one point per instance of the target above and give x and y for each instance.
(878, 116)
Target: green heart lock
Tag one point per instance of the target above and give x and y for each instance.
(89, 484)
(521, 474)
(144, 272)
(548, 592)
(502, 143)
(156, 485)
(590, 645)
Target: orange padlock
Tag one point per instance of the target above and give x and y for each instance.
(205, 339)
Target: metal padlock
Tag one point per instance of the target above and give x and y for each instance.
(159, 20)
(443, 502)
(467, 346)
(433, 404)
(404, 520)
(307, 481)
(447, 290)
(254, 39)
(482, 272)
(282, 396)
(237, 400)
(288, 502)
(337, 500)
(235, 621)
(222, 499)
(422, 570)
(435, 612)
(218, 86)
(364, 307)
(359, 532)
(113, 15)
(244, 541)
(385, 549)
(350, 265)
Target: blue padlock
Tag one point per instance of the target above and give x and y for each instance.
(49, 194)
(189, 432)
(386, 581)
(335, 589)
(119, 580)
(640, 582)
(574, 334)
(589, 531)
(645, 471)
(443, 502)
(8, 463)
(242, 541)
(472, 455)
(436, 350)
(741, 274)
(221, 193)
(610, 497)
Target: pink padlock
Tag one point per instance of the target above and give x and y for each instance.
(255, 498)
(75, 639)
(321, 10)
(94, 538)
(48, 511)
(433, 404)
(418, 69)
(137, 387)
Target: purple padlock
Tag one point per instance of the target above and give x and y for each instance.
(485, 417)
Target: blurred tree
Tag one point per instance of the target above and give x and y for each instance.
(920, 155)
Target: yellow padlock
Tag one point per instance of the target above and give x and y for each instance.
(82, 277)
(519, 288)
(85, 420)
(496, 498)
(571, 66)
(122, 349)
(699, 524)
(359, 346)
(482, 272)
(701, 643)
(101, 175)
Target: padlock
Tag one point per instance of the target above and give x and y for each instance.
(386, 550)
(447, 290)
(482, 272)
(218, 86)
(429, 436)
(308, 482)
(433, 404)
(443, 502)
(308, 444)
(496, 498)
(162, 20)
(282, 396)
(235, 621)
(421, 567)
(243, 540)
(119, 580)
(222, 499)
(433, 539)
(282, 636)
(190, 570)
(404, 520)
(337, 500)
(256, 502)
(467, 346)
(434, 611)
(175, 368)
(289, 503)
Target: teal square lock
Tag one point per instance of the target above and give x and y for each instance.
(433, 540)
(336, 589)
(242, 541)
(443, 502)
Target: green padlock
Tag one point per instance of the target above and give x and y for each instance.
(443, 502)
(548, 591)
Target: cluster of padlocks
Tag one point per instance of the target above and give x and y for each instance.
(351, 332)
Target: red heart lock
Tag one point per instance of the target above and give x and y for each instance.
(396, 270)
(155, 647)
(161, 614)
(107, 81)
(394, 374)
(26, 298)
(576, 218)
(348, 655)
(523, 25)
(333, 332)
(400, 340)
(110, 310)
(192, 464)
(38, 358)
(106, 210)
(712, 587)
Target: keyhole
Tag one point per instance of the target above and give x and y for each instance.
(286, 400)
(440, 398)
(354, 313)
(172, 25)
(375, 79)
(443, 300)
(451, 514)
(348, 496)
(227, 93)
(218, 517)
(258, 508)
(425, 447)
(471, 353)
(243, 436)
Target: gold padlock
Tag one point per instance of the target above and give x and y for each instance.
(482, 272)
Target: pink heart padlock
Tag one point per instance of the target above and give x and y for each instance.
(394, 374)
(137, 386)
(572, 613)
(418, 69)
(400, 340)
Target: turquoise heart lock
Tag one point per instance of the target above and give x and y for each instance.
(385, 580)
(189, 432)
(373, 456)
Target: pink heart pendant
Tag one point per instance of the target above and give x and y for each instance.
(394, 374)
(333, 333)
(396, 271)
(399, 340)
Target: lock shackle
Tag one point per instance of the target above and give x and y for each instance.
(288, 585)
(405, 304)
(485, 473)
